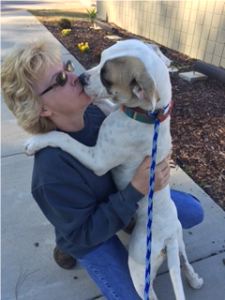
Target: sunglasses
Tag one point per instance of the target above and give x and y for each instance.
(61, 78)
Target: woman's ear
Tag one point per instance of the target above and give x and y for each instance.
(45, 112)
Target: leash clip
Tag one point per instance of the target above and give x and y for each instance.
(160, 114)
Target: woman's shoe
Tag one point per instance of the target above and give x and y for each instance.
(64, 260)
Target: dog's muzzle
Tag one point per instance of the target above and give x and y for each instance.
(83, 79)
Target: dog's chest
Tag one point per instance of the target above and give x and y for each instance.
(133, 140)
(130, 133)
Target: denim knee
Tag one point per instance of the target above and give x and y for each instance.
(189, 209)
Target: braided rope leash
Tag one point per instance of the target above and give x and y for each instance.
(159, 117)
(150, 208)
(149, 118)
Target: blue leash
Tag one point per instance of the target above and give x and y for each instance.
(150, 205)
(151, 118)
(158, 119)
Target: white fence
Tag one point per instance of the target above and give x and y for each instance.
(194, 28)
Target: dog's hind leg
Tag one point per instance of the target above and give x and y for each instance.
(172, 250)
(194, 280)
(137, 272)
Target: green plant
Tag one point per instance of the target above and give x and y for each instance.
(65, 23)
(202, 185)
(91, 14)
(188, 170)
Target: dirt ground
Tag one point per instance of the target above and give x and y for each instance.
(198, 116)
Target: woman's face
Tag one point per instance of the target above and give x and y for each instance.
(68, 100)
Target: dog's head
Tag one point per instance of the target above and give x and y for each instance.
(123, 77)
(127, 82)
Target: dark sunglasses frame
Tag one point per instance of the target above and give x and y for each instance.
(61, 78)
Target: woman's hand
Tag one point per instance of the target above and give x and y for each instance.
(141, 177)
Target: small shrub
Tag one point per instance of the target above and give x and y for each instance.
(91, 14)
(65, 23)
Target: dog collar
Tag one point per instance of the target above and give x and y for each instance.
(147, 117)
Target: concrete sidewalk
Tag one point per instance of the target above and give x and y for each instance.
(28, 268)
(17, 5)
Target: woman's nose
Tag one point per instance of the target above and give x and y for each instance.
(74, 78)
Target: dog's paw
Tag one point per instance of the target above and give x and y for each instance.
(34, 144)
(196, 283)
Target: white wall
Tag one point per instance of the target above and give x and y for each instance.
(194, 28)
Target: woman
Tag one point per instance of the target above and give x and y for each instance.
(86, 210)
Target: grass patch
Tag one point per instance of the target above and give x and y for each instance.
(55, 15)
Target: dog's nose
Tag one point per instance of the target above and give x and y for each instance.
(82, 79)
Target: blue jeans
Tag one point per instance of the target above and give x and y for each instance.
(107, 265)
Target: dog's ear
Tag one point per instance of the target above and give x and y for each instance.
(161, 52)
(143, 86)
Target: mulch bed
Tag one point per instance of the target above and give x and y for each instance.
(198, 117)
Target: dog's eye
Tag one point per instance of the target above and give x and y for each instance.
(103, 75)
(133, 82)
(105, 82)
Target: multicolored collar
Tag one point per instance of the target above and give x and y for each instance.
(147, 117)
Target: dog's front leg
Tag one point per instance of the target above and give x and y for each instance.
(172, 250)
(100, 158)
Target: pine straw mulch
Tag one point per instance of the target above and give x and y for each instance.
(198, 117)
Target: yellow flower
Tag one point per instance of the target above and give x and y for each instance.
(66, 32)
(84, 47)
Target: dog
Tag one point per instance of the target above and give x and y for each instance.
(135, 77)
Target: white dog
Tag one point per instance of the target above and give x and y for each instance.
(134, 75)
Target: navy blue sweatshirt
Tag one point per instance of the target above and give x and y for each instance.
(84, 209)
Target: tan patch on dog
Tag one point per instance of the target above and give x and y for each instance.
(127, 79)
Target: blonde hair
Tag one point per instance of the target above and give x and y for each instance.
(21, 68)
